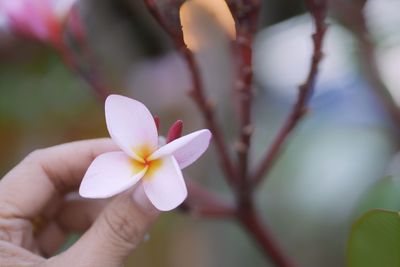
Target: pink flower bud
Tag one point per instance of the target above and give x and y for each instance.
(175, 131)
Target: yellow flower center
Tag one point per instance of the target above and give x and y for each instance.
(138, 165)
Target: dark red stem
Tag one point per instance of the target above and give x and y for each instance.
(70, 60)
(198, 94)
(354, 17)
(202, 202)
(263, 237)
(318, 11)
(246, 14)
(155, 12)
(207, 109)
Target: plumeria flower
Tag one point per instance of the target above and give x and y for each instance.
(157, 167)
(39, 19)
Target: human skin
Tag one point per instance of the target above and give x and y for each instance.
(42, 186)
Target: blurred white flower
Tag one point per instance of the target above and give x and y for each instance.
(283, 51)
(383, 21)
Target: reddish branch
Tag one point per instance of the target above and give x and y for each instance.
(318, 11)
(204, 203)
(259, 232)
(93, 81)
(200, 202)
(207, 108)
(155, 12)
(353, 16)
(198, 94)
(245, 13)
(71, 59)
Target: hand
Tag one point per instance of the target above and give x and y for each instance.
(35, 195)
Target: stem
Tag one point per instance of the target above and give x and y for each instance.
(246, 27)
(262, 236)
(207, 109)
(155, 12)
(208, 207)
(355, 17)
(318, 12)
(204, 203)
(69, 59)
(91, 77)
(198, 94)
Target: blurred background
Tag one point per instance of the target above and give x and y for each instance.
(340, 161)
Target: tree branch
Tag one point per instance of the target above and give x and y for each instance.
(198, 94)
(90, 76)
(204, 203)
(354, 17)
(246, 14)
(318, 10)
(261, 235)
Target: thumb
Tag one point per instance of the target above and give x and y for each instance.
(115, 234)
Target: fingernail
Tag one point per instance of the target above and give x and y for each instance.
(142, 201)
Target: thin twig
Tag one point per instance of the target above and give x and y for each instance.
(204, 203)
(246, 14)
(207, 109)
(354, 17)
(198, 94)
(246, 20)
(244, 211)
(318, 11)
(155, 12)
(70, 58)
(262, 236)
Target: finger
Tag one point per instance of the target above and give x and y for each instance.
(12, 255)
(25, 190)
(78, 214)
(75, 215)
(51, 238)
(116, 232)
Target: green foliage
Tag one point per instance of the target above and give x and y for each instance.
(43, 103)
(375, 237)
(37, 89)
(375, 240)
(384, 195)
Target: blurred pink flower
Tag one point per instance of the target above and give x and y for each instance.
(132, 128)
(38, 19)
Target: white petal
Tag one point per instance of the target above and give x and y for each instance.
(165, 186)
(186, 149)
(109, 174)
(131, 126)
